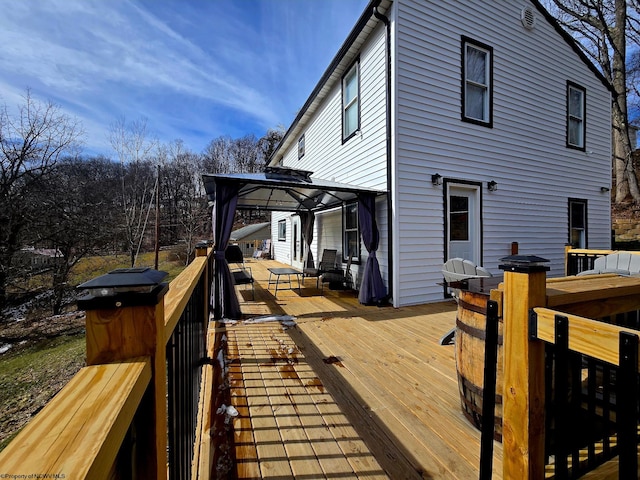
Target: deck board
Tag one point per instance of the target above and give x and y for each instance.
(388, 408)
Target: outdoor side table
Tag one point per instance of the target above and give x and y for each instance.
(278, 272)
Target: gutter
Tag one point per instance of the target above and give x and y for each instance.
(387, 24)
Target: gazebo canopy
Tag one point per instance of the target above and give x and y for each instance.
(284, 190)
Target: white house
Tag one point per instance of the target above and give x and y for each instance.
(250, 237)
(483, 123)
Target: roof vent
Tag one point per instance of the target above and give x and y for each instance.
(528, 18)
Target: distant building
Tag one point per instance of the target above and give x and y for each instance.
(250, 238)
(39, 258)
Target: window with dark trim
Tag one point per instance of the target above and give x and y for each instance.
(477, 82)
(301, 147)
(578, 232)
(576, 109)
(282, 230)
(351, 102)
(351, 235)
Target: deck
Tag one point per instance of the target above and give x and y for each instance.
(350, 392)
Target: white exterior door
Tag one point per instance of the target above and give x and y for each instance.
(463, 222)
(297, 246)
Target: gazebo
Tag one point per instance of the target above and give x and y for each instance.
(286, 190)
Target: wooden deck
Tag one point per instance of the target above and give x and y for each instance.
(350, 392)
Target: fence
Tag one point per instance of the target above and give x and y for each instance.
(563, 372)
(132, 411)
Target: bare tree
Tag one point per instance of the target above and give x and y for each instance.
(31, 144)
(80, 197)
(182, 196)
(603, 28)
(217, 156)
(268, 143)
(134, 146)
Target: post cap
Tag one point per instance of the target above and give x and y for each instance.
(524, 264)
(204, 243)
(123, 287)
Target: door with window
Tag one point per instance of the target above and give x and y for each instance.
(297, 246)
(463, 222)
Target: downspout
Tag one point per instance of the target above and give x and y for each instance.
(387, 24)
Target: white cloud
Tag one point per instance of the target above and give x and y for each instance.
(178, 63)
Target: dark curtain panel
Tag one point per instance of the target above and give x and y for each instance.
(372, 289)
(223, 293)
(308, 219)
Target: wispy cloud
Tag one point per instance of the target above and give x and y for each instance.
(191, 68)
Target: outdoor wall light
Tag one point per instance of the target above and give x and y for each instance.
(604, 189)
(436, 179)
(492, 186)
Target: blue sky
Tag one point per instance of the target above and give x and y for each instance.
(195, 69)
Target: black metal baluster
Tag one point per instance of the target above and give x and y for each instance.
(627, 403)
(561, 392)
(489, 391)
(592, 372)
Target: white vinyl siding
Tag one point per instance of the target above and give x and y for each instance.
(360, 162)
(525, 151)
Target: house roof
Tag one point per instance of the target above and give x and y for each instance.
(285, 190)
(350, 48)
(573, 44)
(338, 66)
(250, 231)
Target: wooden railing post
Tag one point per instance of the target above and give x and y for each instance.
(567, 248)
(125, 320)
(523, 392)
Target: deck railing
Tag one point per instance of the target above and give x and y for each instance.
(132, 411)
(581, 259)
(529, 400)
(607, 403)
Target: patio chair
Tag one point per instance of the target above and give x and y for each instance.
(241, 273)
(338, 277)
(456, 270)
(621, 263)
(264, 251)
(326, 264)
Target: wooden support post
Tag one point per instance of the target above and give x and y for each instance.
(567, 247)
(523, 392)
(127, 325)
(202, 250)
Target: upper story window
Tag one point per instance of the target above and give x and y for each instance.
(351, 102)
(351, 239)
(576, 125)
(301, 147)
(477, 85)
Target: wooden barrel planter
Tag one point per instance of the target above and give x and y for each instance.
(470, 347)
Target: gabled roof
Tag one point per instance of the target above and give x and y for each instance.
(350, 48)
(285, 190)
(573, 44)
(250, 231)
(343, 59)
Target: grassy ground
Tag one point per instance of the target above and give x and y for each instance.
(48, 351)
(31, 377)
(168, 261)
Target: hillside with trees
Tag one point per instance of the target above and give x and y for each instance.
(59, 203)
